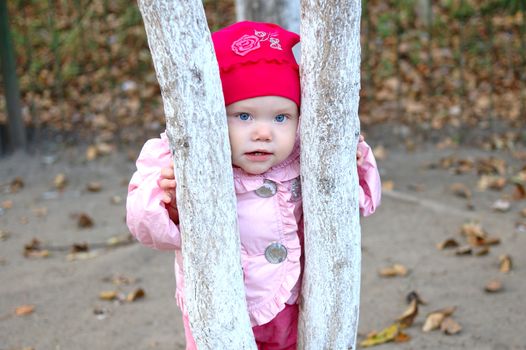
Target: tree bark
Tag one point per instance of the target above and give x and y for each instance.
(330, 75)
(188, 75)
(285, 13)
(17, 131)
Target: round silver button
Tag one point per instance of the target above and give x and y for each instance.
(268, 189)
(276, 253)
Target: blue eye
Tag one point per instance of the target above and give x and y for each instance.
(243, 116)
(280, 118)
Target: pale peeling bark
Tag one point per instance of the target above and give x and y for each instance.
(187, 71)
(286, 13)
(330, 35)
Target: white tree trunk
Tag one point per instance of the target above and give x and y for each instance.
(286, 13)
(330, 74)
(188, 75)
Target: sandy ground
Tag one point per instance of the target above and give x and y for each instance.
(68, 313)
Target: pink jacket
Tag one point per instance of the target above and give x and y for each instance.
(274, 216)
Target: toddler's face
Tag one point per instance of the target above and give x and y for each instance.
(262, 132)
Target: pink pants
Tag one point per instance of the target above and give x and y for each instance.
(279, 334)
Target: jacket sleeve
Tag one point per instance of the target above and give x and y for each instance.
(370, 190)
(146, 215)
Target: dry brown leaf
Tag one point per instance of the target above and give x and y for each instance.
(79, 247)
(94, 186)
(505, 263)
(40, 212)
(491, 182)
(491, 165)
(384, 336)
(448, 243)
(523, 212)
(413, 295)
(493, 286)
(460, 190)
(108, 295)
(380, 152)
(23, 310)
(450, 326)
(402, 337)
(16, 184)
(91, 153)
(4, 235)
(387, 185)
(464, 250)
(472, 229)
(7, 204)
(409, 314)
(434, 319)
(34, 249)
(395, 270)
(520, 192)
(84, 221)
(481, 251)
(60, 181)
(116, 200)
(136, 294)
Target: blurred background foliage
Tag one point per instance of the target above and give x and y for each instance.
(449, 71)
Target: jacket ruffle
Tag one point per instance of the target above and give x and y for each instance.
(264, 310)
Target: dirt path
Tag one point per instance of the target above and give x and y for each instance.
(416, 215)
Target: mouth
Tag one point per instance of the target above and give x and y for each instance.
(258, 153)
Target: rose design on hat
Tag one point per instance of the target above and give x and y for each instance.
(245, 44)
(248, 43)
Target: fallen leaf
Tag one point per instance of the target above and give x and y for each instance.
(91, 153)
(472, 229)
(23, 310)
(491, 165)
(505, 263)
(480, 251)
(387, 185)
(395, 270)
(82, 255)
(84, 221)
(79, 247)
(40, 212)
(386, 335)
(493, 286)
(460, 190)
(409, 314)
(434, 319)
(380, 152)
(413, 295)
(34, 250)
(501, 205)
(448, 243)
(491, 182)
(520, 192)
(4, 235)
(108, 295)
(523, 212)
(60, 181)
(450, 326)
(16, 184)
(464, 250)
(7, 204)
(116, 200)
(402, 337)
(94, 186)
(136, 294)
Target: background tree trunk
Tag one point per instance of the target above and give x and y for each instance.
(286, 13)
(330, 34)
(17, 131)
(188, 75)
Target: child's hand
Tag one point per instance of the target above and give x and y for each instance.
(359, 155)
(167, 183)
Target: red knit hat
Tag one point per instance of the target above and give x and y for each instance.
(255, 59)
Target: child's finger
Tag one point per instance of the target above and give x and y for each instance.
(167, 185)
(167, 173)
(166, 198)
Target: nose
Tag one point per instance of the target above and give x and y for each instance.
(262, 131)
